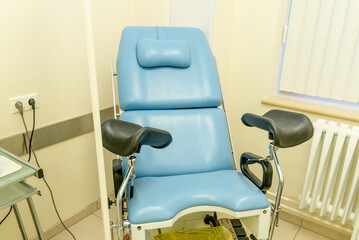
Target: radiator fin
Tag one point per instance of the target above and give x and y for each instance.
(332, 162)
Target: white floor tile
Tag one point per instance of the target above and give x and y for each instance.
(90, 228)
(305, 234)
(285, 231)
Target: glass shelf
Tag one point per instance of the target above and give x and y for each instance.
(26, 170)
(14, 193)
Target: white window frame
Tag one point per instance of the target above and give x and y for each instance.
(280, 72)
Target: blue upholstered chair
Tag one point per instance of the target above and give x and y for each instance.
(174, 139)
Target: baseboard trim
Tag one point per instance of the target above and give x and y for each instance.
(78, 216)
(321, 225)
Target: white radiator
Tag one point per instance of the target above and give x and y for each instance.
(332, 160)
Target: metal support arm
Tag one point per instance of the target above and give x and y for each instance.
(131, 161)
(276, 207)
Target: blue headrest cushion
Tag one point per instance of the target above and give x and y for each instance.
(143, 88)
(163, 53)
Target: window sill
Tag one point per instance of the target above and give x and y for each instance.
(313, 107)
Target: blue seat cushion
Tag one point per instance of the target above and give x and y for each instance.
(161, 198)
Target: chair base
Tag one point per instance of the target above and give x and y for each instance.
(257, 221)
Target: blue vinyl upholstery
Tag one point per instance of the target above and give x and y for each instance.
(197, 167)
(200, 141)
(160, 198)
(163, 53)
(167, 87)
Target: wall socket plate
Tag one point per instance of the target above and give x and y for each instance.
(24, 99)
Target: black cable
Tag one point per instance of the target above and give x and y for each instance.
(37, 163)
(19, 106)
(53, 203)
(32, 132)
(6, 216)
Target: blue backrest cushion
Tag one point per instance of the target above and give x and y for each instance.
(163, 53)
(162, 86)
(200, 141)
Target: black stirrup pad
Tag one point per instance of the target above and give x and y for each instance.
(125, 138)
(286, 129)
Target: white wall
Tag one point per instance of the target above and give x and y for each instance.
(247, 37)
(247, 45)
(190, 13)
(42, 50)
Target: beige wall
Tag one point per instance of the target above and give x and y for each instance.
(42, 50)
(248, 61)
(247, 46)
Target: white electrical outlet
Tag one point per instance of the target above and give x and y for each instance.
(24, 99)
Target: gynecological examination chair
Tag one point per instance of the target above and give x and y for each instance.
(175, 142)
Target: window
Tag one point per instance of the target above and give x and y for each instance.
(321, 49)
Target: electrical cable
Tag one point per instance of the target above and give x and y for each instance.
(37, 163)
(6, 216)
(20, 108)
(32, 132)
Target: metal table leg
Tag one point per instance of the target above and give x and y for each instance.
(35, 218)
(19, 222)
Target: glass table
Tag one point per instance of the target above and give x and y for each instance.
(13, 189)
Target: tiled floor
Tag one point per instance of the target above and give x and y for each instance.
(90, 228)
